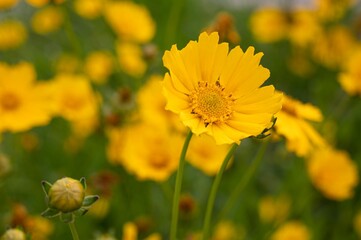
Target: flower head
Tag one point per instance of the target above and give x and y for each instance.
(12, 34)
(291, 230)
(219, 93)
(350, 78)
(333, 173)
(47, 20)
(23, 102)
(6, 4)
(14, 234)
(292, 123)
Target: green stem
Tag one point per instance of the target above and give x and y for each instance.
(178, 186)
(74, 233)
(70, 33)
(214, 189)
(173, 22)
(244, 181)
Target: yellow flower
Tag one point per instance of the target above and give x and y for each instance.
(333, 173)
(333, 46)
(130, 57)
(39, 228)
(204, 154)
(41, 3)
(272, 24)
(98, 66)
(130, 232)
(132, 22)
(148, 152)
(219, 93)
(292, 230)
(6, 4)
(89, 8)
(272, 209)
(152, 106)
(12, 34)
(227, 230)
(269, 25)
(333, 10)
(292, 123)
(73, 98)
(23, 103)
(47, 20)
(350, 78)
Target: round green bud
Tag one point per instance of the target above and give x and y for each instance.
(66, 195)
(13, 234)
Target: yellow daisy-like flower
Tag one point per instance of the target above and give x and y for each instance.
(98, 66)
(204, 154)
(350, 78)
(12, 34)
(132, 22)
(23, 103)
(219, 93)
(292, 230)
(47, 20)
(6, 4)
(330, 10)
(130, 57)
(274, 209)
(292, 123)
(333, 173)
(89, 9)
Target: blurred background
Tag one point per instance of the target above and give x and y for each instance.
(81, 96)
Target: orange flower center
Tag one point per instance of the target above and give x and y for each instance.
(9, 101)
(211, 103)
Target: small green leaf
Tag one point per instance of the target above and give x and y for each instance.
(46, 187)
(50, 213)
(89, 200)
(83, 182)
(67, 217)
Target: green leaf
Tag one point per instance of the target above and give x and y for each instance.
(46, 187)
(50, 213)
(67, 217)
(89, 200)
(83, 182)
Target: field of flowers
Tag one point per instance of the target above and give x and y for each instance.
(175, 119)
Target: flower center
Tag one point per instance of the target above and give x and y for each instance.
(9, 101)
(211, 103)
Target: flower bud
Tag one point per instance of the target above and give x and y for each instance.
(13, 234)
(66, 195)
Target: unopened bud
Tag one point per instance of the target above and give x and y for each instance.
(13, 234)
(66, 195)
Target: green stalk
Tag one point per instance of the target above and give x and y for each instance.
(74, 233)
(178, 186)
(244, 181)
(214, 189)
(173, 22)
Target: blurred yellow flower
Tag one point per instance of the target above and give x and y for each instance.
(41, 3)
(12, 34)
(130, 232)
(273, 24)
(269, 25)
(273, 209)
(219, 93)
(73, 98)
(89, 9)
(333, 46)
(226, 230)
(147, 151)
(152, 103)
(292, 123)
(350, 78)
(5, 166)
(204, 154)
(357, 223)
(130, 21)
(6, 4)
(47, 20)
(292, 230)
(330, 10)
(98, 66)
(333, 173)
(39, 228)
(130, 57)
(23, 103)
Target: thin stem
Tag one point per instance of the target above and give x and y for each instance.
(214, 189)
(244, 181)
(173, 21)
(178, 186)
(74, 233)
